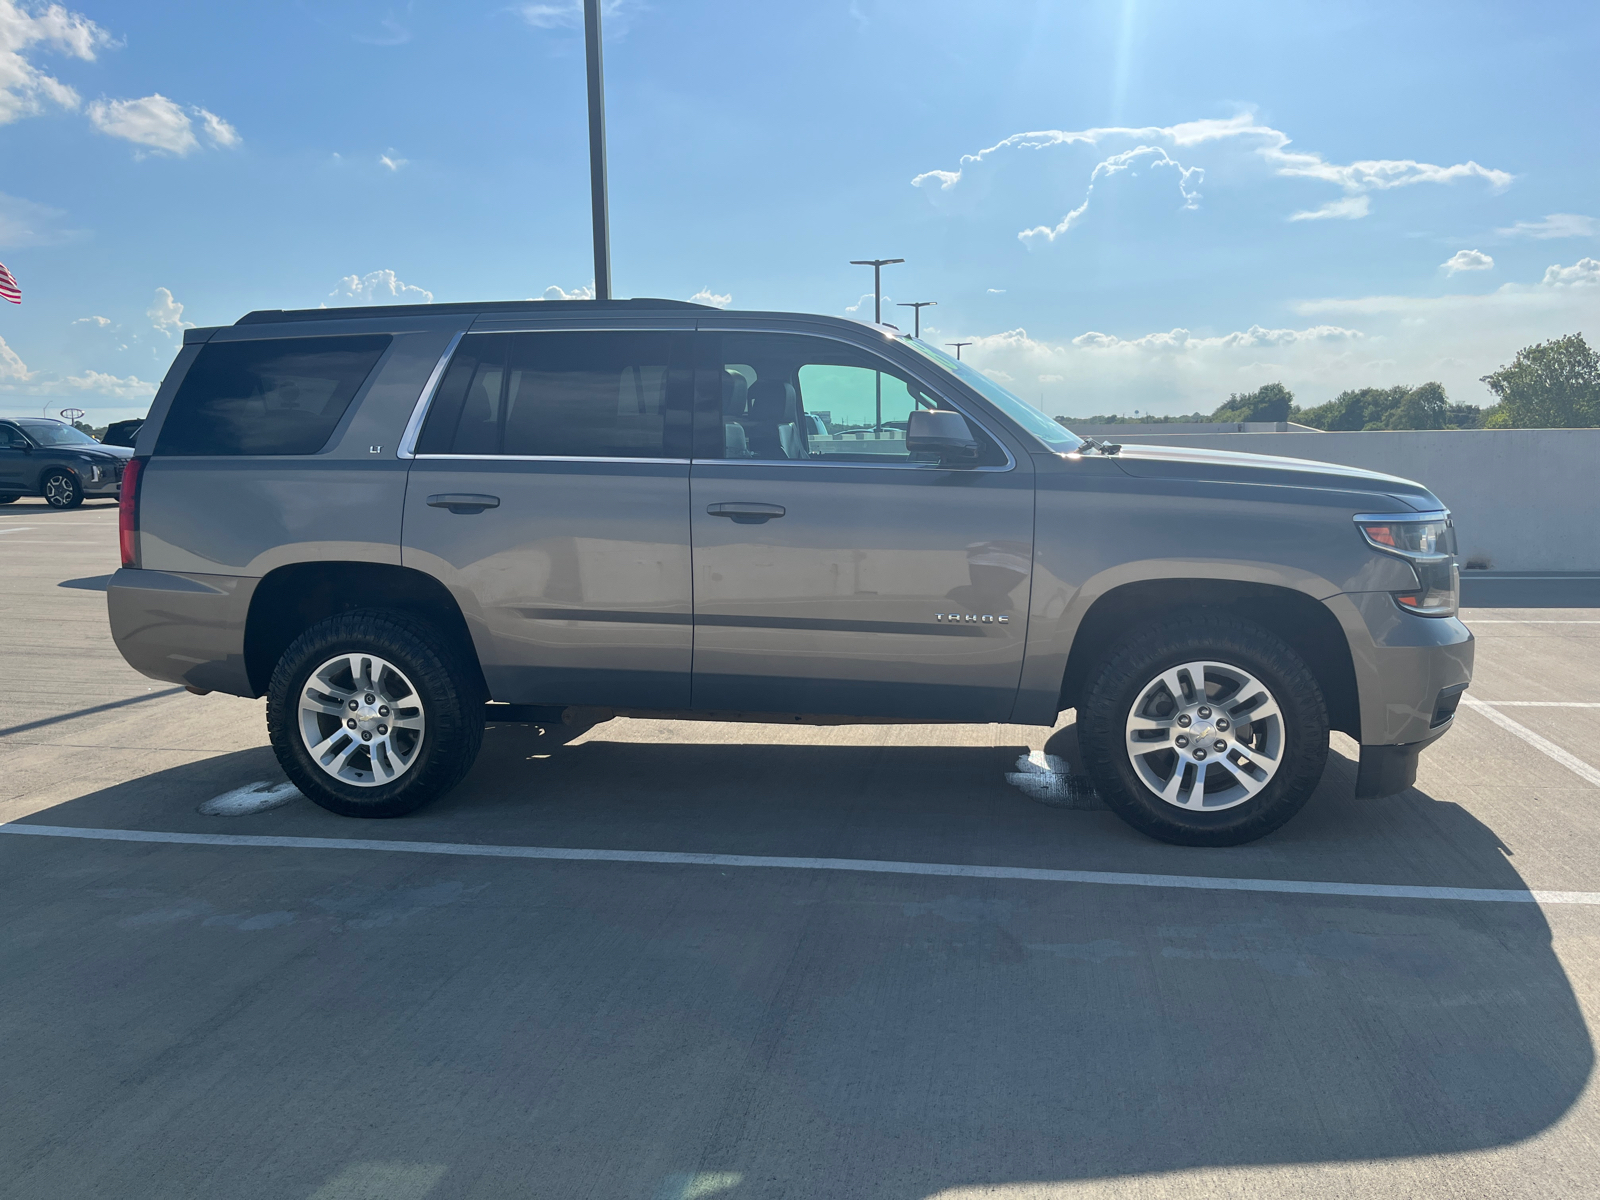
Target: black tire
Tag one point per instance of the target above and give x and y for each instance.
(1122, 680)
(450, 695)
(61, 489)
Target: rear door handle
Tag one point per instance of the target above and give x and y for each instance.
(745, 513)
(463, 502)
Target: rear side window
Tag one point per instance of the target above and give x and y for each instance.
(597, 394)
(279, 396)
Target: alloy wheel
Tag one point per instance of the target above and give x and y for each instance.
(362, 720)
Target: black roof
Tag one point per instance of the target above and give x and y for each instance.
(268, 316)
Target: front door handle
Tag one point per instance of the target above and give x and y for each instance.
(463, 502)
(746, 514)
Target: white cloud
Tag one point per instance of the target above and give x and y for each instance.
(392, 161)
(160, 124)
(379, 287)
(706, 296)
(997, 291)
(586, 292)
(166, 314)
(1556, 225)
(1584, 272)
(24, 223)
(126, 388)
(24, 89)
(1350, 208)
(392, 33)
(615, 15)
(1051, 378)
(102, 322)
(1268, 144)
(12, 368)
(218, 131)
(1182, 341)
(1467, 260)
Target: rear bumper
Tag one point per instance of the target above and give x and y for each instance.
(186, 629)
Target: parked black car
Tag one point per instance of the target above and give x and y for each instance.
(40, 457)
(123, 433)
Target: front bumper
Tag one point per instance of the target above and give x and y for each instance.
(1410, 671)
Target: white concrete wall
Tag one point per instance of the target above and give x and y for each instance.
(1524, 499)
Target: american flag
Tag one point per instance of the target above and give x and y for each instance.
(9, 288)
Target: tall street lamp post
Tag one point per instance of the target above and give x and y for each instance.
(877, 265)
(917, 306)
(958, 346)
(597, 151)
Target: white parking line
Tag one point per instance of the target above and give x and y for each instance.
(1541, 703)
(1531, 621)
(1570, 761)
(1380, 891)
(17, 529)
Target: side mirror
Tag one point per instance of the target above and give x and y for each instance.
(942, 434)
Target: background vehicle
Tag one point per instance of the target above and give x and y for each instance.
(122, 433)
(41, 457)
(380, 519)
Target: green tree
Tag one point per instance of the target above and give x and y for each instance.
(1269, 402)
(1554, 385)
(1400, 407)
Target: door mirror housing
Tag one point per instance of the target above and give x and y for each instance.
(942, 434)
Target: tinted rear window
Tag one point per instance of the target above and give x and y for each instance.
(598, 394)
(281, 396)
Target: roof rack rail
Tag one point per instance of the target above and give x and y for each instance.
(269, 316)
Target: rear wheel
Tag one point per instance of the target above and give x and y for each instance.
(1206, 731)
(372, 714)
(61, 489)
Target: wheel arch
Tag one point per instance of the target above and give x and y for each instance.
(1308, 626)
(292, 598)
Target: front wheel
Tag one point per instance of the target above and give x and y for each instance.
(62, 490)
(1204, 731)
(372, 714)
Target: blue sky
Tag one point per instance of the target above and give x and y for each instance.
(1334, 195)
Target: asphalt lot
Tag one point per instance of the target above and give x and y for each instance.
(294, 1020)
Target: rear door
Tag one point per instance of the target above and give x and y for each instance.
(13, 459)
(833, 573)
(550, 493)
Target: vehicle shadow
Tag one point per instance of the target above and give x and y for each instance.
(789, 1032)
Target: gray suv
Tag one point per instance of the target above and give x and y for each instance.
(41, 457)
(392, 521)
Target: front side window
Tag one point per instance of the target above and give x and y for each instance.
(53, 433)
(10, 438)
(274, 396)
(582, 394)
(793, 397)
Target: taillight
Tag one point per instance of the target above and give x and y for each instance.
(128, 512)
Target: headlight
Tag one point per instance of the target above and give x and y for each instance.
(1428, 542)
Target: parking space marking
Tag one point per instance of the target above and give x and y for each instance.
(1530, 621)
(1300, 887)
(17, 529)
(1570, 761)
(1541, 703)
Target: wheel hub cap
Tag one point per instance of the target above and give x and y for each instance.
(1205, 736)
(361, 720)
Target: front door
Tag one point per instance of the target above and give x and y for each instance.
(550, 493)
(14, 459)
(833, 574)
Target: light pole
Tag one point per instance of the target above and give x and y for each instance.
(958, 346)
(597, 151)
(917, 306)
(877, 265)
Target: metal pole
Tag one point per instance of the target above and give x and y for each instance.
(597, 151)
(917, 306)
(877, 265)
(958, 346)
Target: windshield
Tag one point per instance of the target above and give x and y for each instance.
(49, 433)
(1052, 433)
